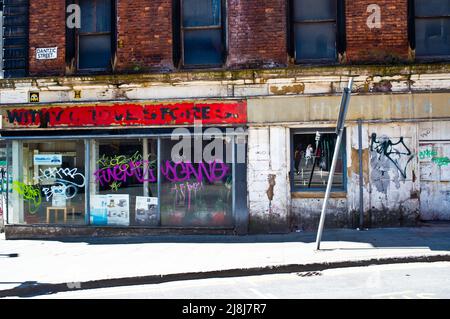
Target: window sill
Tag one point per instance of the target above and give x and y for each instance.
(338, 194)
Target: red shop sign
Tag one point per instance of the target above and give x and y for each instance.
(126, 114)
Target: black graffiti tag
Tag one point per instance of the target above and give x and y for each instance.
(385, 147)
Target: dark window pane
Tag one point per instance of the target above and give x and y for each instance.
(95, 15)
(202, 47)
(432, 7)
(314, 10)
(103, 14)
(87, 15)
(315, 41)
(432, 37)
(201, 13)
(95, 52)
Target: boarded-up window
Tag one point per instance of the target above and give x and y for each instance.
(201, 29)
(432, 28)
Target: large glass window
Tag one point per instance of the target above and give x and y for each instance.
(149, 182)
(48, 184)
(432, 28)
(201, 29)
(124, 183)
(312, 154)
(315, 30)
(196, 193)
(94, 36)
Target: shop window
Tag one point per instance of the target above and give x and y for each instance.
(124, 183)
(48, 182)
(316, 30)
(432, 28)
(196, 194)
(312, 154)
(201, 32)
(94, 38)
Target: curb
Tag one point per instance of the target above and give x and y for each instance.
(47, 289)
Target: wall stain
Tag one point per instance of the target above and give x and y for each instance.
(286, 89)
(272, 183)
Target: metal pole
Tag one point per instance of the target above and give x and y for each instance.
(145, 165)
(361, 180)
(340, 132)
(87, 188)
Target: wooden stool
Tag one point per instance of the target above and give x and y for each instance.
(57, 210)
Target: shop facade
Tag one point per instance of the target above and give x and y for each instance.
(125, 167)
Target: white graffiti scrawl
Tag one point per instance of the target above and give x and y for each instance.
(67, 181)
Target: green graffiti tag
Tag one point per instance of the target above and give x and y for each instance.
(441, 161)
(427, 154)
(30, 193)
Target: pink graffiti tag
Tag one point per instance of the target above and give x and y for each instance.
(191, 188)
(120, 173)
(181, 172)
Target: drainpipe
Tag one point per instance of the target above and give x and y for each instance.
(361, 180)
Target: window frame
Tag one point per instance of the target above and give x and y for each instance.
(340, 35)
(111, 33)
(220, 26)
(1, 40)
(309, 131)
(413, 17)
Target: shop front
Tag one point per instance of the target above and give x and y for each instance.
(134, 168)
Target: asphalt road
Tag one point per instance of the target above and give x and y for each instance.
(400, 281)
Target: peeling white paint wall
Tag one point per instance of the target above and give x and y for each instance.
(434, 159)
(267, 181)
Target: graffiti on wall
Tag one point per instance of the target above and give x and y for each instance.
(441, 161)
(392, 151)
(129, 114)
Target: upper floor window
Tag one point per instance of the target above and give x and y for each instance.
(315, 28)
(202, 32)
(432, 28)
(94, 38)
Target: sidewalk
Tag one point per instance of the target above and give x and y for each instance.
(47, 266)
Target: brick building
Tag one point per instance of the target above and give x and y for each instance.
(93, 90)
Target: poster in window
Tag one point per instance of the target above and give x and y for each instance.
(118, 209)
(59, 196)
(99, 211)
(147, 210)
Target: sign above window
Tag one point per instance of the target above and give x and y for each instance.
(46, 53)
(122, 115)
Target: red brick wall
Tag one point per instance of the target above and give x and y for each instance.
(256, 33)
(389, 43)
(47, 29)
(144, 34)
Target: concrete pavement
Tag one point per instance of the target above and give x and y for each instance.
(44, 267)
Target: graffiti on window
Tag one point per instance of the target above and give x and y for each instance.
(67, 181)
(141, 170)
(185, 192)
(185, 171)
(30, 193)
